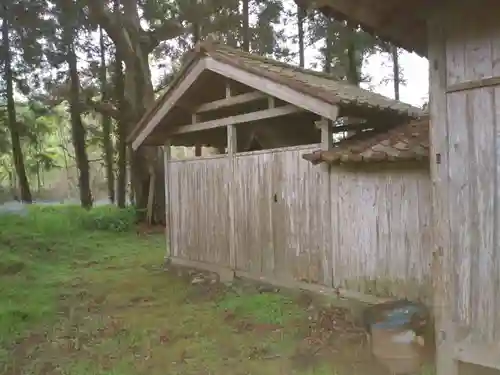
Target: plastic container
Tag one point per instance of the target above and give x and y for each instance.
(397, 349)
(394, 343)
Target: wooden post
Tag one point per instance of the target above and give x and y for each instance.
(197, 150)
(231, 150)
(326, 144)
(171, 251)
(445, 340)
(197, 146)
(151, 196)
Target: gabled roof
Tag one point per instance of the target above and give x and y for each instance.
(402, 22)
(317, 84)
(322, 87)
(405, 142)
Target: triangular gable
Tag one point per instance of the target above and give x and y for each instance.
(259, 83)
(311, 91)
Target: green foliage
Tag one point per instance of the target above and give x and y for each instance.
(101, 218)
(335, 38)
(40, 140)
(109, 218)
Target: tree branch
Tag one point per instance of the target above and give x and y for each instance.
(111, 24)
(104, 108)
(170, 29)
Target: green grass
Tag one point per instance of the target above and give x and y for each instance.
(39, 254)
(265, 308)
(81, 293)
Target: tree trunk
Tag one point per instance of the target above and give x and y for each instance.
(134, 45)
(353, 68)
(246, 26)
(301, 14)
(122, 126)
(139, 88)
(77, 129)
(106, 123)
(17, 152)
(329, 45)
(396, 71)
(196, 27)
(38, 177)
(122, 135)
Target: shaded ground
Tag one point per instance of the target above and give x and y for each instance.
(80, 302)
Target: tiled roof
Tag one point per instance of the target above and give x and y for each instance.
(316, 84)
(309, 82)
(405, 142)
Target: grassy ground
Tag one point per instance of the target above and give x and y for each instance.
(85, 293)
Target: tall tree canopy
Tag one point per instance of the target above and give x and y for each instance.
(76, 76)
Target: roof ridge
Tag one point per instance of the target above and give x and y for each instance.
(218, 46)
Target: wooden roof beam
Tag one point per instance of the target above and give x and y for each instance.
(230, 101)
(274, 89)
(169, 103)
(238, 119)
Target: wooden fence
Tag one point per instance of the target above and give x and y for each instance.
(199, 209)
(364, 231)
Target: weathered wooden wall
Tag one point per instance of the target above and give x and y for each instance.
(278, 211)
(381, 231)
(363, 231)
(199, 209)
(465, 137)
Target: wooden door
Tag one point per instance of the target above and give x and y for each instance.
(300, 218)
(199, 210)
(465, 160)
(253, 195)
(280, 215)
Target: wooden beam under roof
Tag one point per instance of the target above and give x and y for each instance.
(230, 101)
(238, 119)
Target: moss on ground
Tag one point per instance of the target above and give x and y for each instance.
(83, 293)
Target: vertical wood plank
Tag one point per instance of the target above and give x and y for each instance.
(335, 226)
(200, 209)
(325, 194)
(496, 222)
(479, 52)
(483, 276)
(460, 207)
(232, 143)
(253, 204)
(443, 286)
(167, 155)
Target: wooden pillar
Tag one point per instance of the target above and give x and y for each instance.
(167, 155)
(325, 126)
(445, 363)
(271, 102)
(231, 150)
(197, 150)
(151, 195)
(197, 146)
(464, 45)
